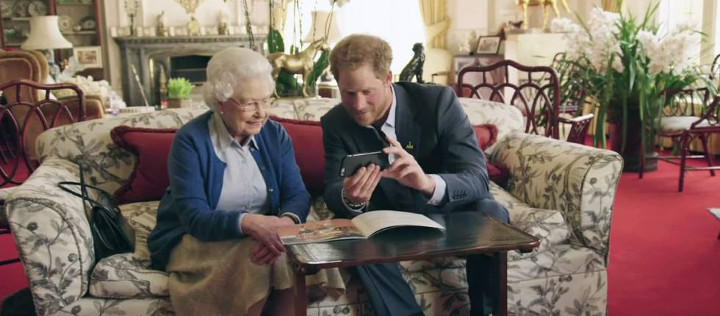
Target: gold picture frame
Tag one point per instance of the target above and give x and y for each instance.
(488, 45)
(89, 56)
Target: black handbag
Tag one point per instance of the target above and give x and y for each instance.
(111, 232)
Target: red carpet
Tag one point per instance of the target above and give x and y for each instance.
(664, 251)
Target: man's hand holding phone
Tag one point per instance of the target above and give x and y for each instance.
(406, 170)
(358, 188)
(364, 171)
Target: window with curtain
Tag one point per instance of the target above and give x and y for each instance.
(672, 13)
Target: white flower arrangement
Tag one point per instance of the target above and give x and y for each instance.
(627, 65)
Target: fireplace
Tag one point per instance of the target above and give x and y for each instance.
(191, 67)
(157, 59)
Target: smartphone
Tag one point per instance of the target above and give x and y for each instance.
(351, 163)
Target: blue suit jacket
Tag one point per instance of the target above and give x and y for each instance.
(432, 126)
(196, 177)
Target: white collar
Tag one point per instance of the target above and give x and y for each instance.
(223, 137)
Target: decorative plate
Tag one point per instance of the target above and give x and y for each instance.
(88, 23)
(5, 6)
(21, 9)
(37, 7)
(65, 23)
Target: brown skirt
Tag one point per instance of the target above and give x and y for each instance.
(218, 278)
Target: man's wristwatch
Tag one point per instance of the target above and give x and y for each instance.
(354, 205)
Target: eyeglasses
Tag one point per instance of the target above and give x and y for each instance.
(252, 105)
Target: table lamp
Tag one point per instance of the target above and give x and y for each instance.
(45, 35)
(320, 26)
(325, 25)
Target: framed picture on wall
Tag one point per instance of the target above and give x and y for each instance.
(88, 56)
(488, 45)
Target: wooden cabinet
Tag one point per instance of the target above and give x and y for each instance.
(80, 22)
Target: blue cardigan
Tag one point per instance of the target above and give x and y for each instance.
(196, 177)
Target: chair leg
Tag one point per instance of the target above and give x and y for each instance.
(642, 158)
(11, 261)
(684, 144)
(708, 154)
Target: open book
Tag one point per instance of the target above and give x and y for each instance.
(360, 227)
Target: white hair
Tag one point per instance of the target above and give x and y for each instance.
(229, 68)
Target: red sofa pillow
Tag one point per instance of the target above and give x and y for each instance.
(307, 140)
(150, 179)
(487, 136)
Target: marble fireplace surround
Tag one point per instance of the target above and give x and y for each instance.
(151, 55)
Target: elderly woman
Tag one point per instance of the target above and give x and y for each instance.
(233, 182)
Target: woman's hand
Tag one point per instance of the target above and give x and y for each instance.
(263, 228)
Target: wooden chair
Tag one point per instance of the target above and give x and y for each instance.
(20, 65)
(535, 90)
(21, 121)
(692, 115)
(572, 100)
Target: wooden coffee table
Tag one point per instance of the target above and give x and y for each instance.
(467, 233)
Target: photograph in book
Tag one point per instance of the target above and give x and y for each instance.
(360, 227)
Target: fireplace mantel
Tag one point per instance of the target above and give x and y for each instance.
(142, 52)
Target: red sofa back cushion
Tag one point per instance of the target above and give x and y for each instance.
(487, 136)
(151, 146)
(307, 137)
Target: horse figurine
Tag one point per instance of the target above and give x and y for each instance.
(299, 63)
(524, 4)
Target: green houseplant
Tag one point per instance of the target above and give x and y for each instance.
(627, 67)
(179, 90)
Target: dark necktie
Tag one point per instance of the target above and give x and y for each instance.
(400, 196)
(377, 128)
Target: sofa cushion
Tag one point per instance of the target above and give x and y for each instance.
(487, 136)
(311, 109)
(507, 119)
(124, 276)
(142, 217)
(307, 138)
(151, 146)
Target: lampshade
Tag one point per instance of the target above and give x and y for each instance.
(320, 19)
(45, 34)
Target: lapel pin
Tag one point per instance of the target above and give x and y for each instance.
(409, 146)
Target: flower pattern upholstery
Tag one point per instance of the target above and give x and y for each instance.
(560, 192)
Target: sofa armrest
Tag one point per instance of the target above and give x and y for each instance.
(53, 236)
(577, 180)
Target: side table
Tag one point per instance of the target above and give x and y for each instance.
(467, 233)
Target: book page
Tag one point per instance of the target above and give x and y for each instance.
(319, 231)
(372, 222)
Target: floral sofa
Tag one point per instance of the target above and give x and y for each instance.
(562, 193)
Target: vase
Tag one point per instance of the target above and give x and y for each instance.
(633, 144)
(178, 103)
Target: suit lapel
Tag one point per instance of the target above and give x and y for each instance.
(408, 134)
(406, 128)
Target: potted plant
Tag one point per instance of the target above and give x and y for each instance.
(628, 67)
(179, 90)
